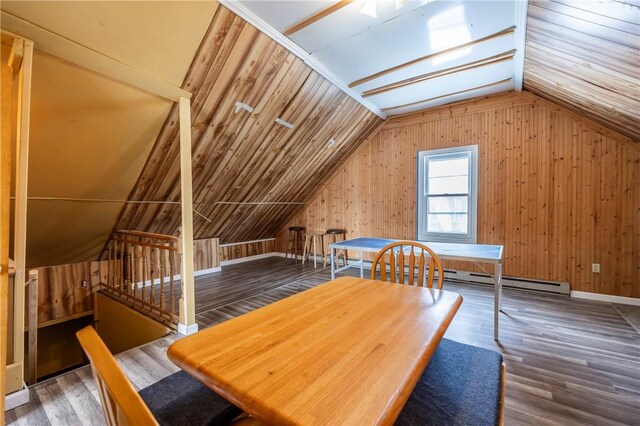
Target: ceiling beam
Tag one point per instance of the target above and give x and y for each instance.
(316, 17)
(70, 51)
(502, 57)
(484, 86)
(505, 32)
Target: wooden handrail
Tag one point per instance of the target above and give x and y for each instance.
(148, 235)
(143, 244)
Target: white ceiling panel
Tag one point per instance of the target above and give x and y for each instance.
(415, 35)
(350, 44)
(350, 21)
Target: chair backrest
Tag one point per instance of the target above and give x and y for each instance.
(398, 258)
(121, 404)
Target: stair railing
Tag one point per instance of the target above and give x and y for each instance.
(143, 270)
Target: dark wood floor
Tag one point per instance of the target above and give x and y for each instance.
(569, 361)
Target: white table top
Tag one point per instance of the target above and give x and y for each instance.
(450, 251)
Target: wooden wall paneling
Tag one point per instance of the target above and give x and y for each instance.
(374, 126)
(61, 293)
(591, 49)
(456, 109)
(252, 248)
(607, 28)
(587, 59)
(223, 96)
(556, 192)
(247, 157)
(278, 149)
(323, 161)
(253, 140)
(206, 254)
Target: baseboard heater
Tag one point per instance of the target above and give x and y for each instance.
(510, 282)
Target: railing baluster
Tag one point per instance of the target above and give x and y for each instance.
(152, 295)
(145, 272)
(136, 260)
(132, 274)
(109, 265)
(172, 300)
(162, 275)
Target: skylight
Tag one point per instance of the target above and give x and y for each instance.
(448, 29)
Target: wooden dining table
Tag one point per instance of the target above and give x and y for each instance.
(346, 352)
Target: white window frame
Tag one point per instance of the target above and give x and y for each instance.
(471, 151)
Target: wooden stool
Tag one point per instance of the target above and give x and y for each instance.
(295, 242)
(311, 239)
(334, 235)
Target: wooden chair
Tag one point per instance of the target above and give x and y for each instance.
(397, 258)
(334, 235)
(295, 245)
(177, 399)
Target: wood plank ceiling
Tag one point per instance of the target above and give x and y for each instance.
(585, 56)
(250, 174)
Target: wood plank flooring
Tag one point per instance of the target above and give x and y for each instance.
(569, 361)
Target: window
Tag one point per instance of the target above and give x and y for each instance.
(447, 194)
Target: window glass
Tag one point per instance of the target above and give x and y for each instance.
(447, 201)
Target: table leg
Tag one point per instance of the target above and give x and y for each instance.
(497, 300)
(304, 249)
(333, 266)
(361, 264)
(315, 252)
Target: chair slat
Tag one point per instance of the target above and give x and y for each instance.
(401, 266)
(431, 273)
(397, 275)
(421, 269)
(392, 265)
(412, 265)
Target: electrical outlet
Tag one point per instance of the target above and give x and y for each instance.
(84, 283)
(595, 268)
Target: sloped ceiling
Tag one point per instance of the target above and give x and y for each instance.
(90, 135)
(249, 172)
(585, 56)
(158, 38)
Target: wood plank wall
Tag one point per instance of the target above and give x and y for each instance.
(60, 290)
(585, 56)
(206, 254)
(249, 173)
(252, 248)
(560, 192)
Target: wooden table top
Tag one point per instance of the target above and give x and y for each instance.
(345, 352)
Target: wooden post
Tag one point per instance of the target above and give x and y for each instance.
(5, 190)
(32, 335)
(22, 174)
(187, 323)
